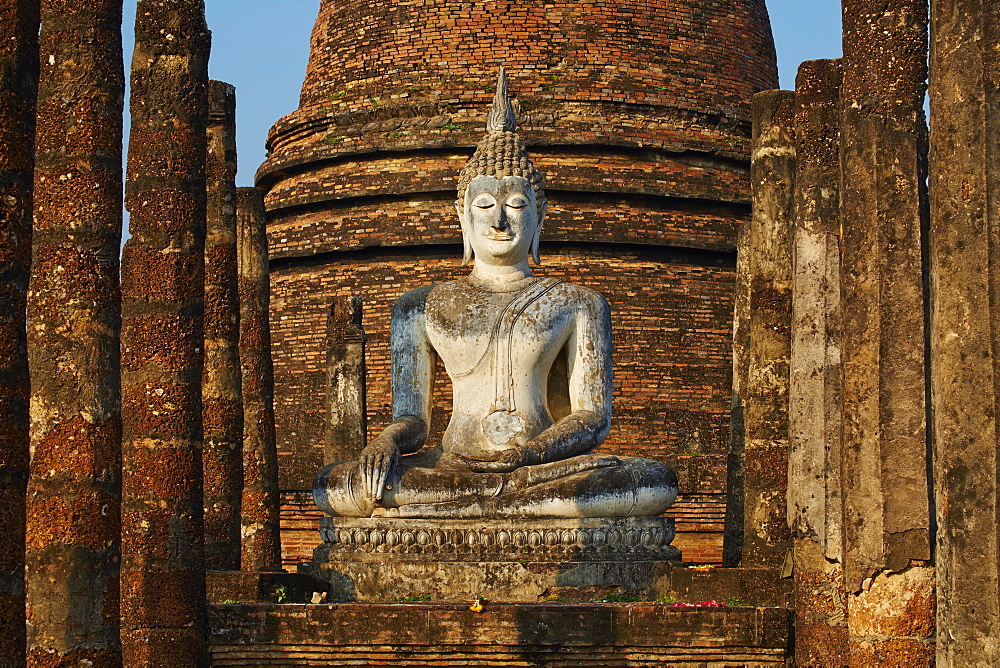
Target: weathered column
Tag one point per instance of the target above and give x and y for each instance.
(965, 325)
(221, 387)
(814, 508)
(886, 494)
(163, 568)
(732, 541)
(18, 81)
(766, 539)
(74, 322)
(346, 407)
(261, 531)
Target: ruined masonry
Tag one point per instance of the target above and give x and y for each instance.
(814, 420)
(764, 392)
(260, 539)
(163, 561)
(222, 384)
(19, 22)
(964, 328)
(74, 322)
(880, 268)
(346, 385)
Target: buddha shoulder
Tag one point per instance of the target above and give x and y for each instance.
(435, 301)
(411, 305)
(582, 296)
(583, 301)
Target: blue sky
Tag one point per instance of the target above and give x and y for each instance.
(261, 47)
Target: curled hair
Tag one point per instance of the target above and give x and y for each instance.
(501, 154)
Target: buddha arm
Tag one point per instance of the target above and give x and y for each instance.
(413, 361)
(575, 434)
(589, 373)
(407, 434)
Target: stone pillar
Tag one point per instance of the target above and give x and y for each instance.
(163, 567)
(885, 483)
(19, 49)
(73, 548)
(732, 541)
(814, 420)
(965, 325)
(261, 531)
(221, 386)
(766, 539)
(346, 407)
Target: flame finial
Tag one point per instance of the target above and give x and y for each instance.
(501, 117)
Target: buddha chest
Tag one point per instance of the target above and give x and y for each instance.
(481, 333)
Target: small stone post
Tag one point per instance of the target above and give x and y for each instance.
(19, 49)
(732, 541)
(73, 549)
(766, 539)
(965, 325)
(163, 566)
(261, 530)
(221, 388)
(885, 481)
(814, 420)
(346, 407)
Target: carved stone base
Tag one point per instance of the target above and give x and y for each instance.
(574, 539)
(383, 559)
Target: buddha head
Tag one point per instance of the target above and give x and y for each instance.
(501, 202)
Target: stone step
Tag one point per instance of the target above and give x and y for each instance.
(501, 634)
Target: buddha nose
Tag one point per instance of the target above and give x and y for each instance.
(500, 222)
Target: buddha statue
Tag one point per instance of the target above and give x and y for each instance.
(529, 359)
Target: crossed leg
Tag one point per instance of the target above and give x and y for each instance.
(584, 486)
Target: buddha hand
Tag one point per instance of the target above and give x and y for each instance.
(506, 461)
(377, 461)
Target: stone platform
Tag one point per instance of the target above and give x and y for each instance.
(386, 559)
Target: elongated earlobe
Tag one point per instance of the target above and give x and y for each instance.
(535, 256)
(467, 251)
(466, 246)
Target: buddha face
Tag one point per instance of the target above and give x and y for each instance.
(501, 219)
